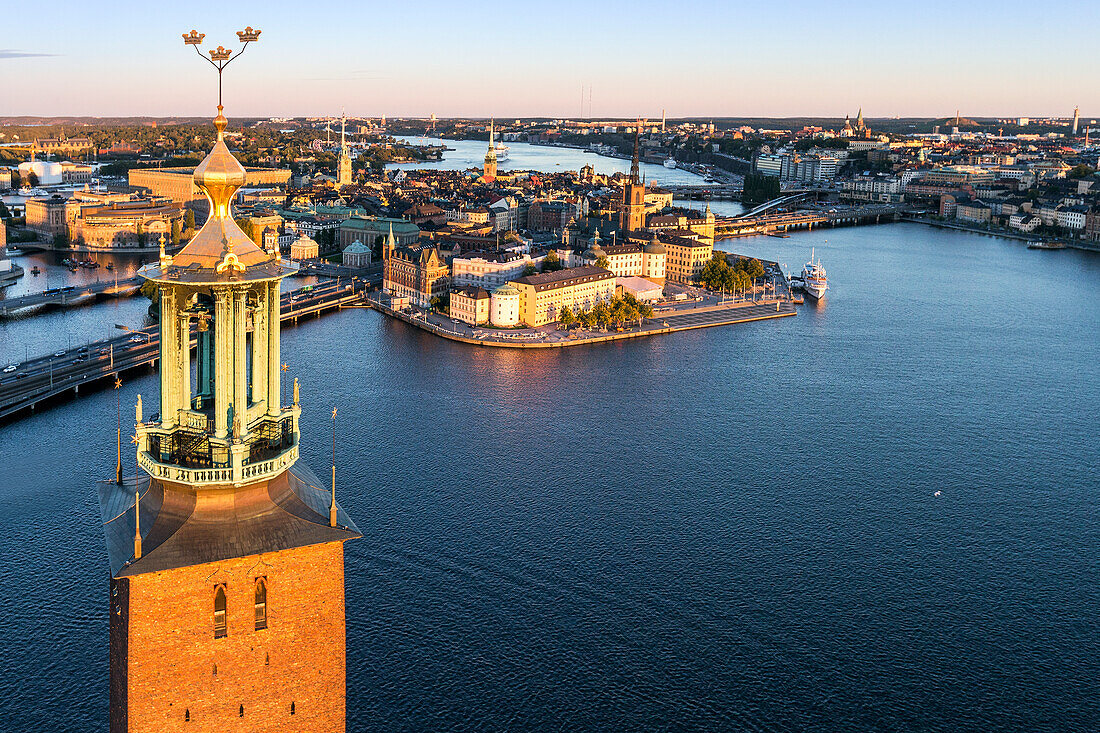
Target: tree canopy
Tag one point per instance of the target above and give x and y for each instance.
(616, 311)
(552, 263)
(1082, 170)
(759, 188)
(718, 274)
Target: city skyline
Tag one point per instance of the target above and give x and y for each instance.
(463, 64)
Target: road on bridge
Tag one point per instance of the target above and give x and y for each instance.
(22, 385)
(70, 295)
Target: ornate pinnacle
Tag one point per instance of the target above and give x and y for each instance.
(220, 56)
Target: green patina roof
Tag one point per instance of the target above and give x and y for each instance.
(380, 225)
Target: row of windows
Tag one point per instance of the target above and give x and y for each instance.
(259, 606)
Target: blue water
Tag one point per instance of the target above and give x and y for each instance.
(464, 154)
(725, 529)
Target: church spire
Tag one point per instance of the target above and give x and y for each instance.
(634, 178)
(489, 172)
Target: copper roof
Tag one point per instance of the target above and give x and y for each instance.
(182, 526)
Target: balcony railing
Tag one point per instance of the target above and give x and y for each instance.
(200, 477)
(190, 453)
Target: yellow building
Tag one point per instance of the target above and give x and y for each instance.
(685, 258)
(701, 225)
(543, 296)
(303, 248)
(46, 216)
(470, 305)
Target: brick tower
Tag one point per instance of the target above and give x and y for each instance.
(226, 552)
(632, 210)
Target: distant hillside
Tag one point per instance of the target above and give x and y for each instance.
(963, 122)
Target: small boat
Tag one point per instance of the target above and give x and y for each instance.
(814, 281)
(670, 162)
(35, 271)
(1041, 244)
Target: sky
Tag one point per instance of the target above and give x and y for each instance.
(695, 58)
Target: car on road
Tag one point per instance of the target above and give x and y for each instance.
(136, 339)
(59, 353)
(80, 360)
(10, 368)
(104, 350)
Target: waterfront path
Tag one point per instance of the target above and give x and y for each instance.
(705, 314)
(1004, 233)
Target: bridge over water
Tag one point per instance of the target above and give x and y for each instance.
(782, 222)
(95, 365)
(70, 296)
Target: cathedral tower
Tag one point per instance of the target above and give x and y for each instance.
(226, 551)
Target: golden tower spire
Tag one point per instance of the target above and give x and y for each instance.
(118, 417)
(332, 506)
(137, 524)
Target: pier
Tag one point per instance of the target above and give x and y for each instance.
(92, 365)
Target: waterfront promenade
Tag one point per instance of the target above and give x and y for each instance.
(707, 312)
(1080, 244)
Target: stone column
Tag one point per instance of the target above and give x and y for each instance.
(223, 374)
(183, 387)
(274, 373)
(240, 358)
(259, 350)
(169, 344)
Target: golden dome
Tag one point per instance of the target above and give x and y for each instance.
(219, 176)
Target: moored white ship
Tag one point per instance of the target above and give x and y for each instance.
(501, 151)
(814, 281)
(670, 162)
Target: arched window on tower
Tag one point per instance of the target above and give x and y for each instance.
(219, 612)
(261, 604)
